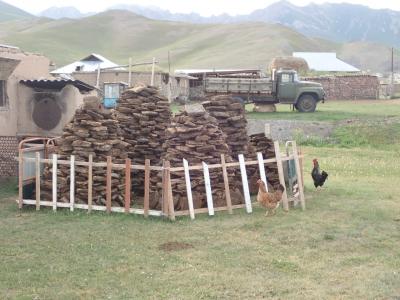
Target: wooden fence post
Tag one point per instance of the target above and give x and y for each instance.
(127, 185)
(37, 161)
(164, 201)
(188, 189)
(146, 203)
(210, 203)
(90, 183)
(245, 184)
(171, 211)
(54, 182)
(299, 177)
(21, 178)
(226, 184)
(72, 183)
(261, 167)
(301, 165)
(109, 182)
(281, 175)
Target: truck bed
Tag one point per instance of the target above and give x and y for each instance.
(238, 86)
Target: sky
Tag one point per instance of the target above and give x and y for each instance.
(203, 7)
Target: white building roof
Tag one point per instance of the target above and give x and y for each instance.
(325, 61)
(88, 64)
(202, 71)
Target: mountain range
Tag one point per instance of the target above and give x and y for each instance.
(68, 12)
(338, 22)
(9, 13)
(120, 34)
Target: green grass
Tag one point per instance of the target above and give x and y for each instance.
(335, 111)
(344, 246)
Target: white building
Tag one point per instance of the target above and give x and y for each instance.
(325, 62)
(88, 64)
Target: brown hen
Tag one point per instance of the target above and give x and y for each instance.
(269, 200)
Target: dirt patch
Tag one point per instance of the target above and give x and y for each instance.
(174, 246)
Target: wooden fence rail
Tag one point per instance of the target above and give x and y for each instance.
(167, 193)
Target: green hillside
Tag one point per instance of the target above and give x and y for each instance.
(119, 35)
(9, 12)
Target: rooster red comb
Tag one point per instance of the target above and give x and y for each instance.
(315, 161)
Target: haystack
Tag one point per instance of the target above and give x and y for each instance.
(289, 63)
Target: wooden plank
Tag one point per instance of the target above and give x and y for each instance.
(207, 183)
(226, 184)
(262, 169)
(37, 181)
(188, 189)
(146, 187)
(72, 183)
(164, 192)
(20, 178)
(205, 210)
(128, 185)
(299, 177)
(54, 182)
(108, 186)
(301, 157)
(171, 211)
(245, 184)
(90, 183)
(281, 175)
(137, 211)
(157, 168)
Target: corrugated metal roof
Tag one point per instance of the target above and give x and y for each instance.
(57, 84)
(8, 46)
(215, 71)
(88, 64)
(325, 61)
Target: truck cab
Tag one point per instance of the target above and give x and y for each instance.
(304, 95)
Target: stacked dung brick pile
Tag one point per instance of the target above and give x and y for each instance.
(92, 131)
(266, 146)
(231, 118)
(143, 115)
(230, 114)
(195, 136)
(349, 87)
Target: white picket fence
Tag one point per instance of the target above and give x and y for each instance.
(167, 193)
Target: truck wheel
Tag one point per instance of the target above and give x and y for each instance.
(306, 103)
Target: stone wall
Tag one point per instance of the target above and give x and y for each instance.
(348, 87)
(8, 152)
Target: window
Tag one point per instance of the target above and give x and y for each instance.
(111, 90)
(3, 98)
(286, 78)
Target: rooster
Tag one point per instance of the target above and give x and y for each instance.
(269, 200)
(318, 177)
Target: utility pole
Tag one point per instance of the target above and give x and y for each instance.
(130, 72)
(152, 71)
(169, 63)
(392, 76)
(169, 78)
